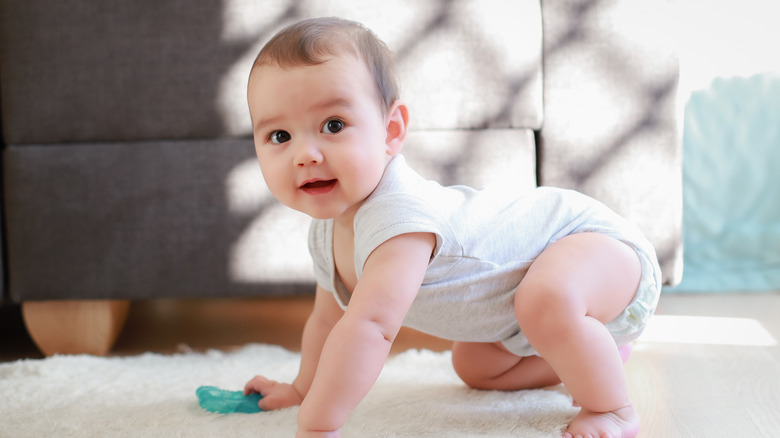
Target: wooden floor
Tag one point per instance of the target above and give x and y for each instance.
(709, 365)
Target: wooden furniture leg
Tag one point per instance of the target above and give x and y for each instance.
(75, 327)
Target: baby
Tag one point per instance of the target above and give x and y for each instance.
(534, 290)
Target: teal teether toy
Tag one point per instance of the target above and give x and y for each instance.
(223, 401)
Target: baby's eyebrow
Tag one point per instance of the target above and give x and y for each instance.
(262, 123)
(332, 103)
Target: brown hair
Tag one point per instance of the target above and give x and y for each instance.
(310, 42)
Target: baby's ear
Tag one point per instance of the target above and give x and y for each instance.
(397, 123)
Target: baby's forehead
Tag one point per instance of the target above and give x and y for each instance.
(322, 61)
(349, 61)
(345, 76)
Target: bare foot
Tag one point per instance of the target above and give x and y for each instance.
(621, 423)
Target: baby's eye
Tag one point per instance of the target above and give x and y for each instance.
(332, 126)
(279, 137)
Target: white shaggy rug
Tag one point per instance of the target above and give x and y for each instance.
(152, 395)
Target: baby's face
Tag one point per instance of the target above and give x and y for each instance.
(319, 135)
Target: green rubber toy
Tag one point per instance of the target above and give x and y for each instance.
(223, 401)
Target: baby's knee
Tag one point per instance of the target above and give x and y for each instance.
(544, 307)
(464, 365)
(470, 378)
(473, 363)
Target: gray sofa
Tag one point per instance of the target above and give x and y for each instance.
(128, 169)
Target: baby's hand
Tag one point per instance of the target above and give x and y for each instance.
(275, 395)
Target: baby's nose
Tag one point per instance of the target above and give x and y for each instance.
(308, 153)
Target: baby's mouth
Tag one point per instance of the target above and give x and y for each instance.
(318, 186)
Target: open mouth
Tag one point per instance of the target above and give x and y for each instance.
(318, 186)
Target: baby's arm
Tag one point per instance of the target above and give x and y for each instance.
(319, 324)
(358, 345)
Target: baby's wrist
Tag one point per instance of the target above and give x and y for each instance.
(299, 389)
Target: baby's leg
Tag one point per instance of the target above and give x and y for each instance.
(491, 366)
(572, 289)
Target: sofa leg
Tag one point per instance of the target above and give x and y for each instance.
(75, 327)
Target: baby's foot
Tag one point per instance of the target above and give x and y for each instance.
(621, 423)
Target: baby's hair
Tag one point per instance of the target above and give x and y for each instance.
(311, 42)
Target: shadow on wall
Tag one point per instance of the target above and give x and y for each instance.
(731, 217)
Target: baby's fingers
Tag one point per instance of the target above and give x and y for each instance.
(258, 384)
(275, 395)
(275, 401)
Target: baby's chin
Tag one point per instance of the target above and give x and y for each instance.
(316, 213)
(319, 216)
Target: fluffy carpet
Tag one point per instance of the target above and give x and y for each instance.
(151, 395)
